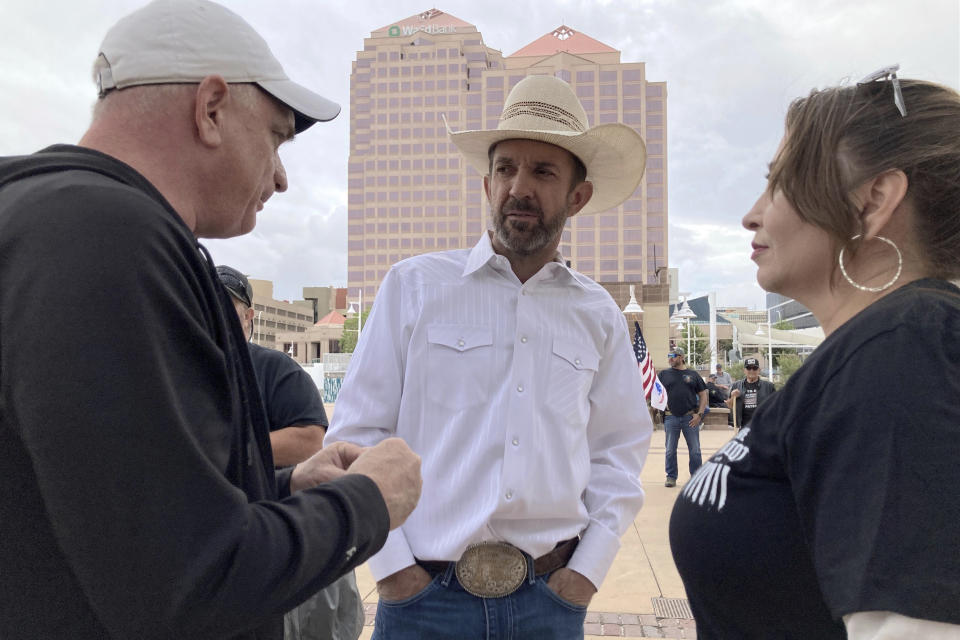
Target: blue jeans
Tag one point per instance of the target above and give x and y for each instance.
(673, 426)
(444, 611)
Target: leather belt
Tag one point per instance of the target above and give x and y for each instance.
(497, 569)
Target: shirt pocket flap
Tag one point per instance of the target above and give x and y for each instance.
(578, 355)
(459, 337)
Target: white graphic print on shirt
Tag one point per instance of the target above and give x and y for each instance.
(750, 395)
(709, 484)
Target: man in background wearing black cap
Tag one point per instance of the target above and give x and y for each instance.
(751, 392)
(138, 497)
(297, 423)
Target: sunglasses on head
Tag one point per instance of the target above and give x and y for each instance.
(882, 75)
(672, 355)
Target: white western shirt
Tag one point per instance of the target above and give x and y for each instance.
(524, 401)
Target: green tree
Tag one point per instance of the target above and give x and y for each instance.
(735, 369)
(787, 363)
(785, 325)
(723, 347)
(348, 340)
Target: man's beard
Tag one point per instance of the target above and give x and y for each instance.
(526, 238)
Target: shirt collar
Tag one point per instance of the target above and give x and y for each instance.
(482, 253)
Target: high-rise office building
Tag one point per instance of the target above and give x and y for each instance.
(409, 190)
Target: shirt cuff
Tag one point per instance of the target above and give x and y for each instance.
(283, 481)
(887, 625)
(595, 554)
(394, 556)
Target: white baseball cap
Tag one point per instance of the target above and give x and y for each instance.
(184, 41)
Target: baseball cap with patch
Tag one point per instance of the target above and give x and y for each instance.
(236, 283)
(184, 41)
(679, 351)
(751, 362)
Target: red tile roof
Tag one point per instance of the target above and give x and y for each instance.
(563, 38)
(331, 318)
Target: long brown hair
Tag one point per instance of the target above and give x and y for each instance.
(840, 137)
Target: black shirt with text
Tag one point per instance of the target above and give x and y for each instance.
(836, 499)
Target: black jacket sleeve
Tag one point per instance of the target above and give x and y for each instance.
(117, 392)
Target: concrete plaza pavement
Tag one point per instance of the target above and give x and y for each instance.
(643, 570)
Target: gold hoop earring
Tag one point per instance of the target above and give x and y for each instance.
(896, 276)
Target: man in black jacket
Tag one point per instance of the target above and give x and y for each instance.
(137, 491)
(750, 393)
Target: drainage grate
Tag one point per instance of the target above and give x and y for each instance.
(672, 608)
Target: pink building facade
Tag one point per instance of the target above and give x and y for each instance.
(409, 192)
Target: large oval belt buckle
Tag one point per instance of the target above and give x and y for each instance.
(491, 569)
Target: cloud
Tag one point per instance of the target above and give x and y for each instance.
(731, 68)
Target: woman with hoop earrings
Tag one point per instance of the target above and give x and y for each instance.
(836, 512)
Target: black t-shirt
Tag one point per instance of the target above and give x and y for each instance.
(837, 499)
(289, 394)
(682, 387)
(715, 396)
(750, 392)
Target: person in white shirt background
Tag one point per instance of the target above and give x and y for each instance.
(513, 377)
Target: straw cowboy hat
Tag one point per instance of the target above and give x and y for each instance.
(545, 108)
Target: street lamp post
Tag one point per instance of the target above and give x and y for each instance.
(686, 313)
(633, 306)
(770, 335)
(360, 314)
(759, 334)
(352, 310)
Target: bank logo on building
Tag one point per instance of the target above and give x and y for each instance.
(408, 30)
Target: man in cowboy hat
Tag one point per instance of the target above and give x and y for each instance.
(513, 377)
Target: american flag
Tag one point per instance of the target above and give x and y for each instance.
(643, 361)
(653, 389)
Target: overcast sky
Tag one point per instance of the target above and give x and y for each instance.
(731, 67)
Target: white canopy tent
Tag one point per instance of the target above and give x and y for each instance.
(746, 333)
